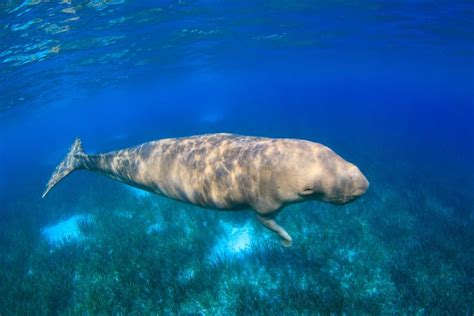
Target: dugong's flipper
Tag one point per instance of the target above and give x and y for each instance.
(271, 224)
(73, 161)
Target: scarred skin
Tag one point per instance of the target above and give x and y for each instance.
(229, 172)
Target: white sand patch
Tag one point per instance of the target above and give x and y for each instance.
(65, 231)
(235, 243)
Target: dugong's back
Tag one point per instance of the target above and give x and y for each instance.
(218, 170)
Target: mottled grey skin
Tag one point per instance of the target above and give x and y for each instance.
(225, 171)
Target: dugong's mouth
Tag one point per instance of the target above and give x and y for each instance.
(344, 200)
(349, 198)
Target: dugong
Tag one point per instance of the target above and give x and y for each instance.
(226, 171)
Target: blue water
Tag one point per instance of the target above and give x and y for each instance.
(389, 86)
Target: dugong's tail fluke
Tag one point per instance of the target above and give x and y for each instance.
(73, 161)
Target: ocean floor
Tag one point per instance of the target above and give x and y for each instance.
(124, 251)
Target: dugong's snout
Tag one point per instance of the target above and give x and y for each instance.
(361, 184)
(350, 184)
(357, 185)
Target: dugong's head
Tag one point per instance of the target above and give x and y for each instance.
(328, 177)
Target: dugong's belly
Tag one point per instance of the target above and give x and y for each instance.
(217, 171)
